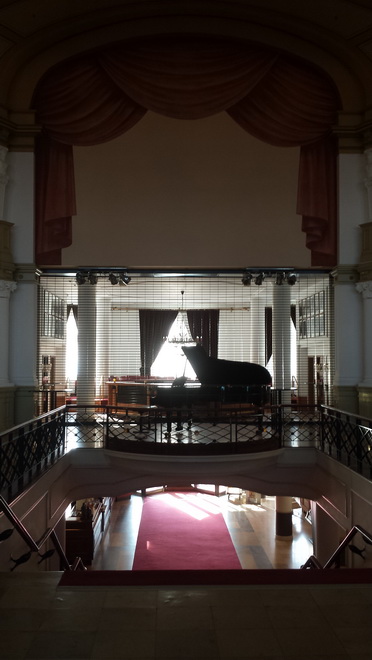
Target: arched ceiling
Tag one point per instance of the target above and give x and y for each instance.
(36, 34)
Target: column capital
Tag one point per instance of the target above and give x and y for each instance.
(6, 288)
(365, 288)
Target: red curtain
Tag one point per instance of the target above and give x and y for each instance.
(97, 97)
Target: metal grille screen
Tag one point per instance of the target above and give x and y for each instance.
(286, 328)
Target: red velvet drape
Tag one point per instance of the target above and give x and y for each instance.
(99, 96)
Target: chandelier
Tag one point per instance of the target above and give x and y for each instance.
(181, 331)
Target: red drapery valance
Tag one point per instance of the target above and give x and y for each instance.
(99, 96)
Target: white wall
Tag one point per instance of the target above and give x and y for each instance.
(198, 193)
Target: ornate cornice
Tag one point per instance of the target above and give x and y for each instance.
(365, 262)
(7, 266)
(27, 273)
(18, 132)
(345, 274)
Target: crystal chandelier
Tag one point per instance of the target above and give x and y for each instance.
(181, 331)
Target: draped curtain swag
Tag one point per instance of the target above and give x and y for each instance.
(203, 323)
(97, 97)
(154, 327)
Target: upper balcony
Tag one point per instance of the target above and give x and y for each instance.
(202, 435)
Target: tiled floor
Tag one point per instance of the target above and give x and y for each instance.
(40, 621)
(251, 526)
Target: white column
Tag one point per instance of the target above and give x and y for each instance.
(86, 379)
(257, 321)
(23, 342)
(104, 315)
(284, 513)
(352, 205)
(282, 340)
(6, 288)
(348, 330)
(365, 288)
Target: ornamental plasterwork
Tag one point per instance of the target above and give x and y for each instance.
(7, 287)
(365, 288)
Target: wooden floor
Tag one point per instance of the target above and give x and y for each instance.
(251, 526)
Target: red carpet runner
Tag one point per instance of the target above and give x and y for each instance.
(183, 531)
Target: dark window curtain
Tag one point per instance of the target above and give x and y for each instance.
(154, 326)
(268, 333)
(98, 96)
(203, 323)
(74, 310)
(293, 315)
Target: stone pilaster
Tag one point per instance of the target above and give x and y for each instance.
(348, 339)
(365, 387)
(6, 387)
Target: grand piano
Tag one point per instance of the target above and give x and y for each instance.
(221, 381)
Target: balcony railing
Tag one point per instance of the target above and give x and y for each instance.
(27, 450)
(348, 439)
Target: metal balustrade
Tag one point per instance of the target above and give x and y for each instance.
(28, 449)
(348, 439)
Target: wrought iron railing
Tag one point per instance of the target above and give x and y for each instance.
(28, 449)
(348, 439)
(185, 431)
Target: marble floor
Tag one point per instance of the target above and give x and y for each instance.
(251, 527)
(41, 621)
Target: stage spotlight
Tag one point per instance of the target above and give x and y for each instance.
(259, 279)
(291, 279)
(247, 279)
(113, 278)
(80, 278)
(280, 277)
(125, 279)
(92, 278)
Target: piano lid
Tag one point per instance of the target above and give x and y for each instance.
(213, 371)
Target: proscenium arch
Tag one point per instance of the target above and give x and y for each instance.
(23, 69)
(274, 96)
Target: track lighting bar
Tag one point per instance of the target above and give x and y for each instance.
(114, 277)
(258, 277)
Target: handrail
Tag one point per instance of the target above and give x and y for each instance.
(35, 546)
(31, 422)
(355, 530)
(313, 562)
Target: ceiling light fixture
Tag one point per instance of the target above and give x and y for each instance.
(92, 278)
(247, 279)
(125, 279)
